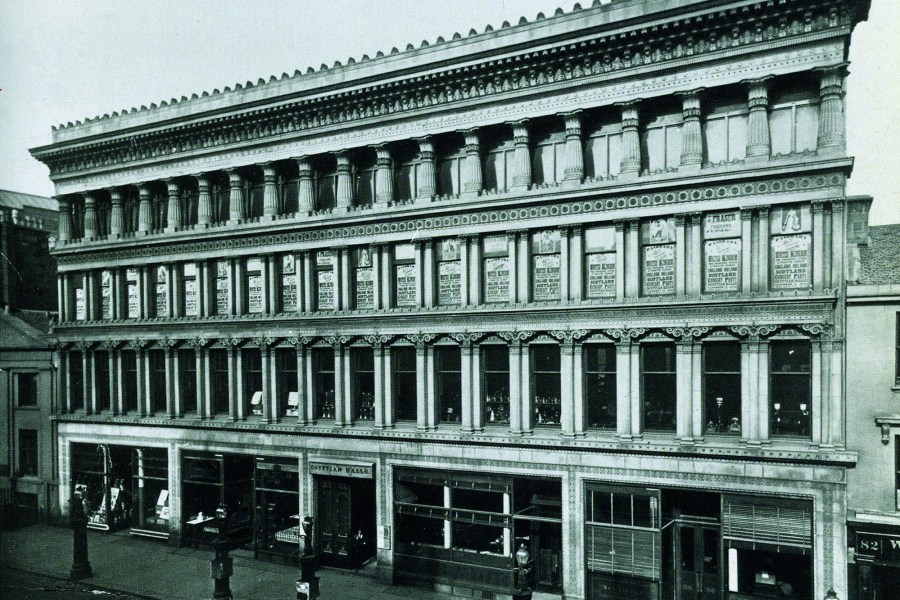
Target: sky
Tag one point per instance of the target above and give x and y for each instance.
(64, 61)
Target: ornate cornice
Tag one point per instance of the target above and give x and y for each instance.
(686, 39)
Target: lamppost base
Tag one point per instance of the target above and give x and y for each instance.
(81, 571)
(522, 596)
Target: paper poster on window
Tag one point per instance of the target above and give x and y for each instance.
(722, 225)
(406, 285)
(601, 275)
(131, 279)
(790, 219)
(546, 277)
(106, 294)
(254, 292)
(223, 296)
(448, 249)
(288, 264)
(162, 292)
(289, 292)
(659, 270)
(545, 242)
(365, 289)
(222, 268)
(723, 259)
(495, 244)
(364, 257)
(449, 282)
(600, 239)
(324, 258)
(80, 305)
(191, 298)
(658, 231)
(791, 261)
(496, 279)
(325, 287)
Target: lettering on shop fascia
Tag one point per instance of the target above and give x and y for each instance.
(357, 471)
(251, 130)
(347, 233)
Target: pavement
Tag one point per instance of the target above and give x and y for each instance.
(35, 562)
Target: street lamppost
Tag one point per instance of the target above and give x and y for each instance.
(522, 575)
(308, 584)
(81, 567)
(221, 567)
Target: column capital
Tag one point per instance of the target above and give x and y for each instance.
(202, 182)
(234, 176)
(115, 195)
(343, 159)
(573, 122)
(172, 187)
(680, 219)
(619, 224)
(383, 153)
(63, 202)
(818, 206)
(89, 200)
(425, 143)
(746, 214)
(629, 108)
(473, 144)
(269, 172)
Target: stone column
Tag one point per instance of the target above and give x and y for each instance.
(573, 171)
(173, 400)
(831, 108)
(472, 182)
(633, 260)
(173, 216)
(680, 255)
(468, 404)
(204, 202)
(270, 192)
(631, 143)
(521, 173)
(380, 374)
(697, 390)
(235, 196)
(306, 194)
(746, 247)
(568, 396)
(683, 392)
(634, 385)
(426, 182)
(515, 385)
(426, 273)
(512, 250)
(837, 241)
(375, 254)
(758, 143)
(462, 242)
(762, 260)
(144, 219)
(61, 298)
(524, 265)
(762, 395)
(116, 218)
(576, 265)
(65, 219)
(620, 259)
(694, 272)
(303, 415)
(475, 274)
(90, 217)
(691, 136)
(565, 260)
(344, 198)
(421, 386)
(384, 176)
(818, 245)
(819, 396)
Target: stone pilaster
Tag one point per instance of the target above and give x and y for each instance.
(631, 143)
(623, 387)
(90, 217)
(344, 198)
(235, 196)
(427, 176)
(65, 220)
(270, 192)
(818, 245)
(204, 202)
(691, 136)
(573, 171)
(384, 176)
(633, 260)
(680, 255)
(521, 173)
(144, 220)
(620, 259)
(305, 192)
(173, 209)
(472, 183)
(831, 108)
(758, 142)
(116, 218)
(684, 391)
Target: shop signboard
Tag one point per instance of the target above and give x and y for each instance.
(791, 261)
(223, 290)
(331, 469)
(80, 305)
(162, 291)
(722, 225)
(254, 286)
(883, 547)
(191, 291)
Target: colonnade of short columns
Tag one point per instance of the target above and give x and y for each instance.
(830, 137)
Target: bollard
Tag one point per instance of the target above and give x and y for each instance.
(81, 568)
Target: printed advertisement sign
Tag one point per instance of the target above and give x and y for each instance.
(449, 282)
(723, 259)
(722, 225)
(601, 275)
(546, 277)
(325, 289)
(496, 279)
(791, 261)
(659, 270)
(365, 289)
(406, 285)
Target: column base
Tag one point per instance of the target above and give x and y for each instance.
(689, 167)
(267, 218)
(519, 188)
(757, 158)
(380, 206)
(474, 194)
(629, 174)
(424, 199)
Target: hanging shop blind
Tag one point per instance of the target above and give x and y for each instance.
(623, 550)
(469, 481)
(786, 523)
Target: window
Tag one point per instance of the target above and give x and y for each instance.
(324, 280)
(106, 294)
(600, 384)
(403, 362)
(363, 363)
(158, 394)
(288, 396)
(187, 380)
(404, 275)
(495, 361)
(450, 158)
(623, 532)
(133, 293)
(323, 382)
(725, 127)
(190, 290)
(365, 181)
(28, 453)
(658, 386)
(254, 196)
(80, 298)
(220, 195)
(364, 281)
(658, 254)
(101, 381)
(289, 195)
(26, 384)
(448, 268)
(545, 281)
(790, 387)
(289, 283)
(129, 381)
(546, 383)
(253, 384)
(76, 381)
(223, 287)
(326, 188)
(548, 154)
(254, 281)
(600, 262)
(162, 292)
(495, 267)
(790, 255)
(722, 252)
(449, 382)
(661, 136)
(722, 387)
(219, 380)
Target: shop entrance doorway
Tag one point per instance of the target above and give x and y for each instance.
(346, 521)
(697, 562)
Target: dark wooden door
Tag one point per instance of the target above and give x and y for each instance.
(697, 558)
(334, 504)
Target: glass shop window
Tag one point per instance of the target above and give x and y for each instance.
(403, 363)
(405, 280)
(157, 360)
(187, 380)
(600, 385)
(545, 273)
(658, 386)
(790, 388)
(770, 574)
(449, 382)
(364, 279)
(76, 381)
(253, 384)
(362, 361)
(495, 383)
(323, 382)
(722, 387)
(324, 279)
(658, 257)
(129, 381)
(448, 270)
(219, 379)
(288, 394)
(101, 381)
(546, 383)
(495, 269)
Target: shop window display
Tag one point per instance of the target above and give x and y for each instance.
(449, 383)
(790, 390)
(277, 519)
(722, 387)
(209, 480)
(101, 478)
(546, 384)
(323, 382)
(150, 489)
(363, 361)
(495, 358)
(600, 385)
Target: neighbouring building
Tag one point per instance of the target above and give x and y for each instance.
(574, 285)
(873, 412)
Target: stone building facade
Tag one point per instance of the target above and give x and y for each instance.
(573, 285)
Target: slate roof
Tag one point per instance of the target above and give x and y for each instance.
(20, 200)
(24, 329)
(880, 259)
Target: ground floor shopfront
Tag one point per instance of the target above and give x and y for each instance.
(595, 524)
(874, 569)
